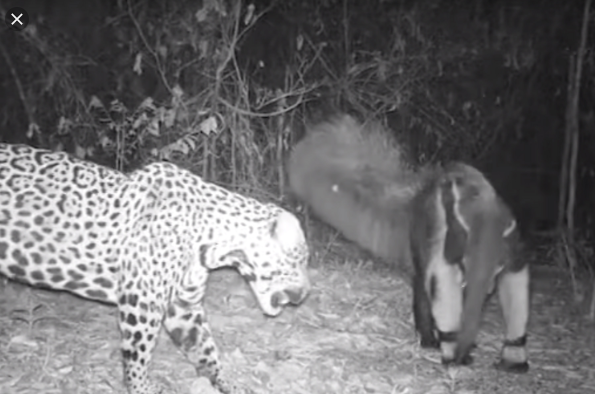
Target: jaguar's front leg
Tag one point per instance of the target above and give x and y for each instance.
(186, 324)
(140, 322)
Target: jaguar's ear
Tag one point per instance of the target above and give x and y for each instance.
(287, 230)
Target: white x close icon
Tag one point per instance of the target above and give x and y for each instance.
(16, 19)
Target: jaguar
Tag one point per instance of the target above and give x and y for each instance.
(144, 241)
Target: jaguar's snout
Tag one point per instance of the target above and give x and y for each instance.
(294, 296)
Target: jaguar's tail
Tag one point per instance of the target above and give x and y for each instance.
(355, 178)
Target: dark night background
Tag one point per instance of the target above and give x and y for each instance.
(479, 81)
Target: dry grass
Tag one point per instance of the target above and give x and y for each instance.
(353, 335)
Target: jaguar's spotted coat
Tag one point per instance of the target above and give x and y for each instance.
(144, 241)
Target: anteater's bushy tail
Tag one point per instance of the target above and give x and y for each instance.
(355, 178)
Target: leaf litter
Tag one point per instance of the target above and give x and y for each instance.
(354, 334)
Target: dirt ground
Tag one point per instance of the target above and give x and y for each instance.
(353, 335)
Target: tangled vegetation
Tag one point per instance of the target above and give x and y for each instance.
(225, 87)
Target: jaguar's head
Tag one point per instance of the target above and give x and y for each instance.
(274, 262)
